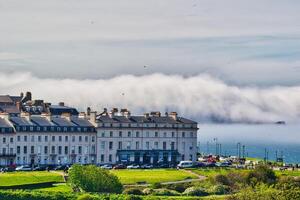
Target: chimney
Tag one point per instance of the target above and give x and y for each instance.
(28, 96)
(155, 114)
(66, 116)
(18, 105)
(61, 103)
(27, 115)
(22, 95)
(4, 115)
(146, 115)
(88, 111)
(82, 115)
(104, 112)
(167, 114)
(113, 112)
(92, 118)
(47, 116)
(174, 115)
(127, 114)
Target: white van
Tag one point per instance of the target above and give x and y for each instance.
(185, 164)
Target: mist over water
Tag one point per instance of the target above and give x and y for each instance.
(280, 138)
(201, 97)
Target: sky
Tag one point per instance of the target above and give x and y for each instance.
(248, 45)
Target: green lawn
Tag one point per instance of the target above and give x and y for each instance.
(151, 176)
(59, 187)
(214, 171)
(23, 178)
(288, 173)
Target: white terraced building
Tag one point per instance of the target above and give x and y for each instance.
(36, 133)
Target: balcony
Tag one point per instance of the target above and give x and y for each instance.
(7, 155)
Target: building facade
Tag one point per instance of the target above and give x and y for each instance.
(36, 133)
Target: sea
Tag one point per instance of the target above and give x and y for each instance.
(264, 141)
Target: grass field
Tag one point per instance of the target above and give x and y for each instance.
(287, 173)
(59, 187)
(214, 171)
(151, 176)
(23, 178)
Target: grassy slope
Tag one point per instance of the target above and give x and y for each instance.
(23, 178)
(151, 176)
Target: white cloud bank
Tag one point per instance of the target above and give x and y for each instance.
(200, 97)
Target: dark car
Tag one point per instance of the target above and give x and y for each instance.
(40, 168)
(60, 167)
(120, 166)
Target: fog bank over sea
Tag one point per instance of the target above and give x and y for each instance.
(255, 137)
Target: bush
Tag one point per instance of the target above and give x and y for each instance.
(148, 191)
(219, 189)
(87, 197)
(165, 192)
(156, 185)
(93, 179)
(179, 187)
(221, 179)
(195, 191)
(134, 191)
(262, 174)
(26, 195)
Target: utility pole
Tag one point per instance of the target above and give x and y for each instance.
(243, 151)
(216, 140)
(238, 150)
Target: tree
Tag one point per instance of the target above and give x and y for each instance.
(93, 179)
(262, 173)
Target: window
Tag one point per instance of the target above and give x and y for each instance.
(137, 145)
(102, 145)
(31, 128)
(80, 138)
(66, 138)
(120, 134)
(39, 138)
(102, 158)
(25, 149)
(164, 145)
(73, 138)
(165, 134)
(45, 128)
(79, 150)
(103, 134)
(191, 134)
(66, 150)
(110, 145)
(111, 134)
(120, 145)
(156, 134)
(53, 138)
(110, 158)
(172, 145)
(18, 149)
(65, 129)
(53, 149)
(32, 138)
(39, 149)
(86, 138)
(147, 134)
(155, 145)
(45, 149)
(183, 134)
(173, 134)
(128, 145)
(46, 138)
(183, 146)
(147, 145)
(38, 128)
(4, 140)
(73, 149)
(19, 138)
(129, 134)
(32, 150)
(59, 150)
(60, 138)
(25, 138)
(137, 134)
(11, 140)
(93, 139)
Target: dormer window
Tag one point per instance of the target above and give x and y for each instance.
(65, 129)
(79, 129)
(45, 128)
(24, 128)
(31, 128)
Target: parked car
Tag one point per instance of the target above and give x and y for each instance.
(185, 164)
(133, 167)
(120, 166)
(147, 166)
(7, 169)
(39, 168)
(24, 168)
(60, 167)
(107, 166)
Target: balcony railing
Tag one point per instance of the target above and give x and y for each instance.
(7, 155)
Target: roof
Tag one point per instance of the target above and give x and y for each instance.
(60, 121)
(41, 121)
(106, 119)
(5, 99)
(59, 110)
(81, 122)
(4, 123)
(21, 121)
(12, 109)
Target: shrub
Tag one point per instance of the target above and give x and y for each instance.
(219, 189)
(221, 179)
(88, 197)
(148, 191)
(263, 174)
(134, 191)
(93, 179)
(165, 192)
(179, 187)
(195, 191)
(156, 185)
(26, 195)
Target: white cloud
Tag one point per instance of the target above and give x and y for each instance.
(200, 97)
